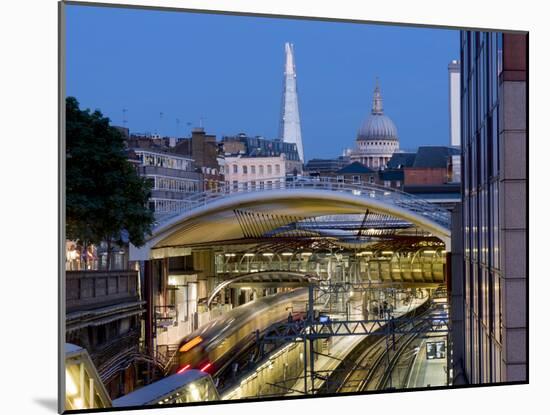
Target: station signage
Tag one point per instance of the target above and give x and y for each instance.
(435, 350)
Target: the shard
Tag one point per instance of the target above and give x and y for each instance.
(290, 130)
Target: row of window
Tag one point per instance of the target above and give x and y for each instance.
(162, 160)
(167, 205)
(355, 179)
(175, 184)
(252, 170)
(377, 143)
(253, 185)
(480, 56)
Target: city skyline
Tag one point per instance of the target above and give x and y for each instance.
(166, 93)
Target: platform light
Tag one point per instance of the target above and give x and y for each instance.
(287, 254)
(429, 251)
(306, 254)
(387, 252)
(267, 254)
(365, 253)
(249, 254)
(230, 255)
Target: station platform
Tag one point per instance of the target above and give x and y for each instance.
(427, 372)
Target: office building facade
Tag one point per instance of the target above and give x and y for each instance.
(490, 311)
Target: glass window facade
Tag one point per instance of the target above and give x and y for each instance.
(482, 108)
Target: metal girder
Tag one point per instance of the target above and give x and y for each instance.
(300, 330)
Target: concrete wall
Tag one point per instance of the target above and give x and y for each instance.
(282, 368)
(513, 207)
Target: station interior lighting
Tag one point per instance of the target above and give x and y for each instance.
(306, 254)
(70, 387)
(429, 252)
(287, 254)
(267, 254)
(230, 255)
(248, 254)
(387, 252)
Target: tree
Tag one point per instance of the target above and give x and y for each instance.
(105, 197)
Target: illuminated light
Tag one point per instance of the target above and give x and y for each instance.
(195, 395)
(230, 255)
(205, 367)
(78, 403)
(365, 253)
(249, 254)
(70, 387)
(429, 252)
(171, 281)
(190, 344)
(183, 369)
(267, 254)
(287, 254)
(387, 252)
(306, 254)
(356, 192)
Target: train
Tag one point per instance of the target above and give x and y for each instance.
(211, 346)
(191, 386)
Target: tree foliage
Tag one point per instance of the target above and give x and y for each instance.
(105, 197)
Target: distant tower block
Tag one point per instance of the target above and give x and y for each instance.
(454, 103)
(290, 130)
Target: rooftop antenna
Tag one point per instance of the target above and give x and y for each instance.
(160, 122)
(124, 120)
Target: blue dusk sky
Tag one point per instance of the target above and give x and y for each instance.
(228, 71)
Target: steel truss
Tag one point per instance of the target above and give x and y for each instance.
(311, 328)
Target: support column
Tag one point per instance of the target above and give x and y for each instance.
(149, 311)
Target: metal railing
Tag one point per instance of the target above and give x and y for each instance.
(387, 195)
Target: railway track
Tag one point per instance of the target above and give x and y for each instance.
(372, 367)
